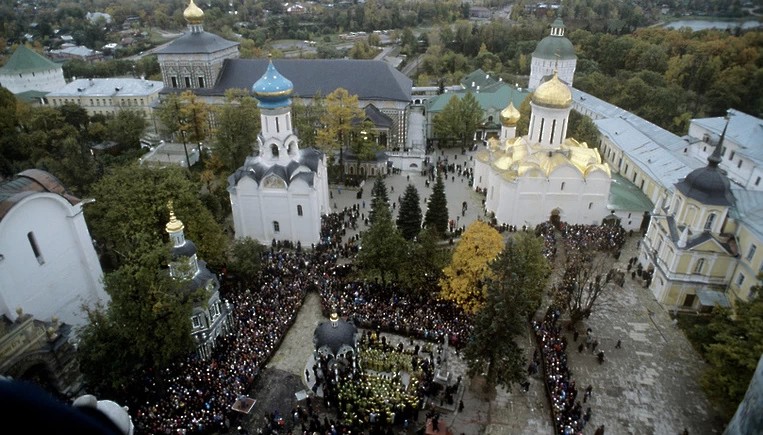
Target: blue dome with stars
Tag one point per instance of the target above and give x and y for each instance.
(272, 89)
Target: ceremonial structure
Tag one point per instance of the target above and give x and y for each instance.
(544, 175)
(210, 318)
(554, 53)
(281, 193)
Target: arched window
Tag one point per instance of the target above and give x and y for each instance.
(276, 226)
(274, 150)
(699, 265)
(709, 222)
(299, 210)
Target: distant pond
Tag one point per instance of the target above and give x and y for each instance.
(697, 25)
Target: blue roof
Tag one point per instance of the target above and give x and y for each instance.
(273, 90)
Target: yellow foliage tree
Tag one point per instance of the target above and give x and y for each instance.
(464, 277)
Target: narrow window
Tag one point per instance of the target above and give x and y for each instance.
(299, 210)
(187, 82)
(739, 165)
(562, 188)
(276, 226)
(196, 322)
(274, 150)
(709, 222)
(699, 266)
(35, 247)
(642, 185)
(278, 126)
(740, 279)
(201, 82)
(540, 134)
(553, 129)
(751, 252)
(174, 81)
(757, 181)
(590, 205)
(731, 156)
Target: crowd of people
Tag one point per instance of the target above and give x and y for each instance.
(566, 410)
(605, 238)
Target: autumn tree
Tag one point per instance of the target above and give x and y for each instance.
(185, 116)
(514, 289)
(523, 125)
(338, 121)
(238, 124)
(436, 217)
(409, 216)
(130, 213)
(463, 280)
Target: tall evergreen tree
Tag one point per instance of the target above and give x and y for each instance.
(409, 217)
(514, 287)
(383, 248)
(379, 198)
(437, 209)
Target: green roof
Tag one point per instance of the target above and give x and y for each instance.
(624, 195)
(551, 46)
(498, 99)
(31, 96)
(26, 60)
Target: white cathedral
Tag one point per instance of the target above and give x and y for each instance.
(544, 175)
(281, 193)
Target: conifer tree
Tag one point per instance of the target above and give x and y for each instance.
(437, 209)
(409, 217)
(379, 198)
(382, 247)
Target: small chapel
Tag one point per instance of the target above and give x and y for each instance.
(544, 175)
(281, 193)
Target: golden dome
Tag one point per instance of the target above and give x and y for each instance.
(509, 116)
(175, 224)
(193, 14)
(553, 93)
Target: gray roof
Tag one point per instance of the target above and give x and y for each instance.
(377, 117)
(710, 298)
(257, 169)
(368, 79)
(112, 87)
(708, 185)
(334, 337)
(744, 130)
(198, 43)
(664, 165)
(187, 249)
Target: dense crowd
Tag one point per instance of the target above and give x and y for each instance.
(566, 410)
(606, 238)
(195, 395)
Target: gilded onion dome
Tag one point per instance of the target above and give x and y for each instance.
(510, 116)
(553, 93)
(175, 224)
(193, 14)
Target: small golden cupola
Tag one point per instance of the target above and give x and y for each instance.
(175, 224)
(510, 115)
(553, 93)
(193, 14)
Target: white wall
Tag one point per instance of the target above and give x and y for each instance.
(70, 274)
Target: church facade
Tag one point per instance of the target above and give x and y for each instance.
(544, 175)
(281, 193)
